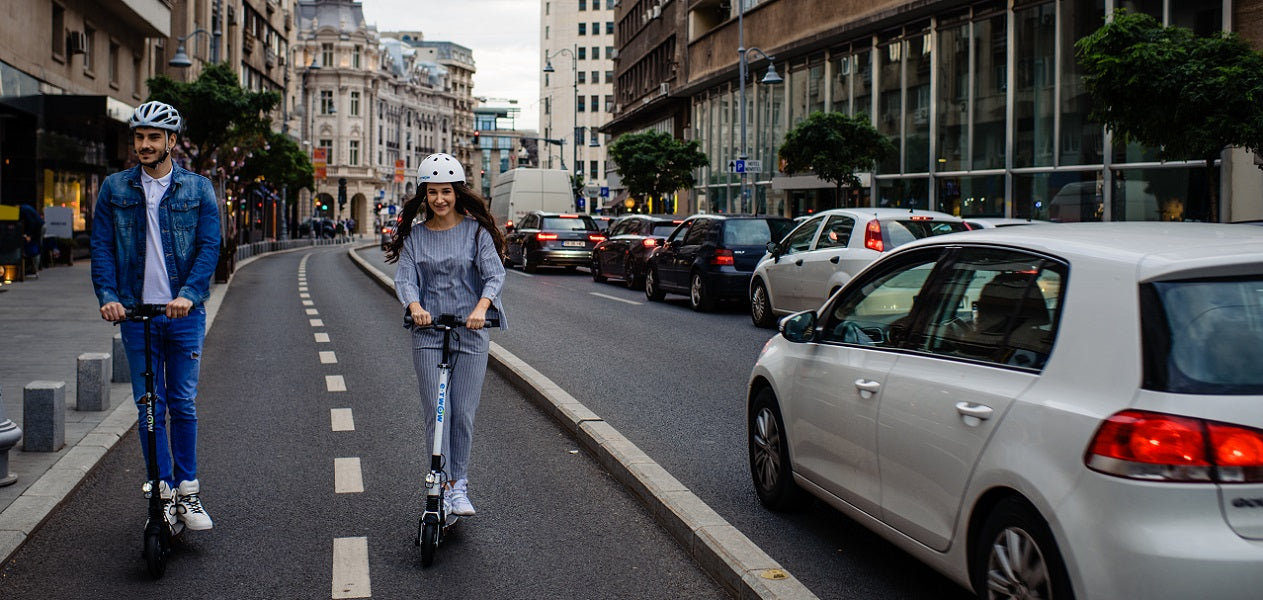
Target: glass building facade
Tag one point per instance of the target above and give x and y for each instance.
(987, 110)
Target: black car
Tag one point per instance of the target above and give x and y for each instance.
(553, 240)
(627, 247)
(312, 227)
(711, 257)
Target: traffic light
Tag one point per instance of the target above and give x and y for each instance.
(341, 192)
(476, 138)
(379, 206)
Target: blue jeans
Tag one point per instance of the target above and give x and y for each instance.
(176, 355)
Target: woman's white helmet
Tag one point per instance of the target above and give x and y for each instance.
(158, 115)
(440, 168)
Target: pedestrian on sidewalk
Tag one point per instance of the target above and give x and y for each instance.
(157, 210)
(452, 264)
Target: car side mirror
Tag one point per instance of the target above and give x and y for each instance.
(774, 249)
(799, 327)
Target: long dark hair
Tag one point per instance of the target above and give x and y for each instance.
(468, 203)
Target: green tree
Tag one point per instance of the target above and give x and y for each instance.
(281, 163)
(834, 146)
(1166, 88)
(655, 164)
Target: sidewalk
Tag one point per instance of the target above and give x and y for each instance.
(47, 323)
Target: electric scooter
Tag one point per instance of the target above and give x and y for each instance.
(159, 530)
(435, 520)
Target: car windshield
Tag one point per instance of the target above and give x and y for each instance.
(902, 231)
(568, 223)
(1203, 336)
(754, 232)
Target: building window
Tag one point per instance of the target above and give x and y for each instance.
(579, 104)
(596, 77)
(59, 30)
(596, 53)
(353, 153)
(547, 29)
(583, 29)
(326, 55)
(547, 7)
(582, 77)
(138, 77)
(583, 4)
(88, 59)
(583, 53)
(596, 28)
(609, 52)
(609, 103)
(355, 58)
(355, 104)
(326, 102)
(596, 103)
(609, 75)
(327, 144)
(113, 66)
(593, 170)
(609, 28)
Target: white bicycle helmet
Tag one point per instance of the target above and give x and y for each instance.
(440, 168)
(158, 115)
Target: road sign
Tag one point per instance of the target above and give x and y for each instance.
(390, 210)
(737, 166)
(605, 191)
(754, 166)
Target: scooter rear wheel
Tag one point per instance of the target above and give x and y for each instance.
(429, 542)
(155, 555)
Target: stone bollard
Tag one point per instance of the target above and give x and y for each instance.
(44, 416)
(92, 390)
(9, 436)
(122, 371)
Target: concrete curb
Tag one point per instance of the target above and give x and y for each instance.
(719, 548)
(28, 512)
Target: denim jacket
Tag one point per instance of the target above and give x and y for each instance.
(189, 216)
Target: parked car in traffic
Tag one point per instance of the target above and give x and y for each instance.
(993, 222)
(321, 228)
(825, 251)
(551, 239)
(710, 257)
(603, 222)
(1036, 412)
(627, 246)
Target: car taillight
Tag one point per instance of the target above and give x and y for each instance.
(649, 242)
(596, 237)
(722, 258)
(872, 237)
(543, 237)
(1161, 447)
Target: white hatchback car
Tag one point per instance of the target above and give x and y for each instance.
(1036, 412)
(825, 251)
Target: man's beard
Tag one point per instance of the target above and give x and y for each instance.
(161, 157)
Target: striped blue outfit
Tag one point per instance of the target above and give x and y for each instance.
(447, 272)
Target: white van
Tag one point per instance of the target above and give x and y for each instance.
(519, 191)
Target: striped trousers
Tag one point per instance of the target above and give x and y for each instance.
(464, 390)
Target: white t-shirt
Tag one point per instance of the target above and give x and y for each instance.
(157, 288)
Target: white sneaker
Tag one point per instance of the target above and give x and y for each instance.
(189, 506)
(459, 499)
(168, 502)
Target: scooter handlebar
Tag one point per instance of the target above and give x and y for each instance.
(449, 321)
(141, 312)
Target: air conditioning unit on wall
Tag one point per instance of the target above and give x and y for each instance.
(76, 43)
(664, 89)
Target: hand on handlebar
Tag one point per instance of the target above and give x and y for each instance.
(420, 316)
(179, 308)
(476, 319)
(113, 312)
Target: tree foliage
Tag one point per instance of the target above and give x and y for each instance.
(1166, 88)
(281, 163)
(835, 147)
(655, 164)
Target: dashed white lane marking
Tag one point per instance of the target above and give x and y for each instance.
(508, 270)
(304, 295)
(302, 288)
(615, 298)
(317, 322)
(335, 383)
(328, 357)
(350, 568)
(347, 476)
(322, 338)
(309, 302)
(312, 311)
(341, 419)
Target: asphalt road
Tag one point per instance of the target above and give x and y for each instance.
(673, 382)
(551, 523)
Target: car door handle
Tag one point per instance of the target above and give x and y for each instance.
(867, 385)
(835, 259)
(969, 409)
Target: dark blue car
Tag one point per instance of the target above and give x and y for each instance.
(710, 258)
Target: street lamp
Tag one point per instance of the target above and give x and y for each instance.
(771, 78)
(181, 58)
(574, 78)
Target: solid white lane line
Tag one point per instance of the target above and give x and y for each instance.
(327, 357)
(335, 383)
(347, 476)
(616, 298)
(309, 302)
(350, 568)
(322, 338)
(341, 419)
(317, 322)
(312, 311)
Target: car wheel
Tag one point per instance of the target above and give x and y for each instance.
(769, 455)
(597, 276)
(699, 297)
(761, 307)
(527, 265)
(1016, 556)
(652, 291)
(630, 278)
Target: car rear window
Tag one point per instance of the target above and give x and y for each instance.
(663, 229)
(755, 232)
(902, 231)
(568, 223)
(1203, 336)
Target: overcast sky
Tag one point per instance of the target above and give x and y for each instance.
(503, 34)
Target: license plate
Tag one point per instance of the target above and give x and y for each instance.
(570, 244)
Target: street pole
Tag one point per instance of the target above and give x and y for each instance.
(574, 78)
(741, 72)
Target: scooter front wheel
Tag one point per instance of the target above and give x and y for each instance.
(429, 542)
(155, 555)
